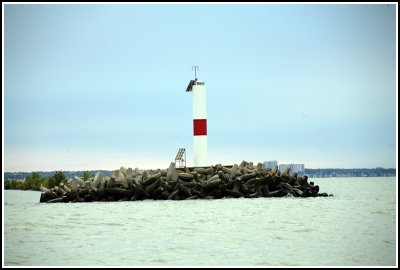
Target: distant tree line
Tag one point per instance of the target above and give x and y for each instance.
(34, 181)
(67, 174)
(363, 172)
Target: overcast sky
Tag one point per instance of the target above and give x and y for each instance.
(103, 86)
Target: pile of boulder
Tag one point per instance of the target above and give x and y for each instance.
(214, 182)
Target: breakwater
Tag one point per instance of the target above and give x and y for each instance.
(214, 182)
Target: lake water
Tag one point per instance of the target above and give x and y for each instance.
(357, 227)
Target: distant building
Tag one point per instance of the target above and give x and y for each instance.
(294, 168)
(297, 168)
(282, 167)
(270, 164)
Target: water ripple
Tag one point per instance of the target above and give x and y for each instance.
(348, 229)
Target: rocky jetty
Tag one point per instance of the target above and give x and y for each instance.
(214, 182)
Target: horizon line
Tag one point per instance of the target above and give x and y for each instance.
(83, 170)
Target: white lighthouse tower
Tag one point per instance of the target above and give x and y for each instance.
(199, 120)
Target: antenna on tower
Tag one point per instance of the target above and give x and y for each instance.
(195, 68)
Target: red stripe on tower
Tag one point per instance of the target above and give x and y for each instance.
(199, 127)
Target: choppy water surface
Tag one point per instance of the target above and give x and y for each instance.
(356, 227)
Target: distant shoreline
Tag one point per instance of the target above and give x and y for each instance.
(312, 173)
(330, 173)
